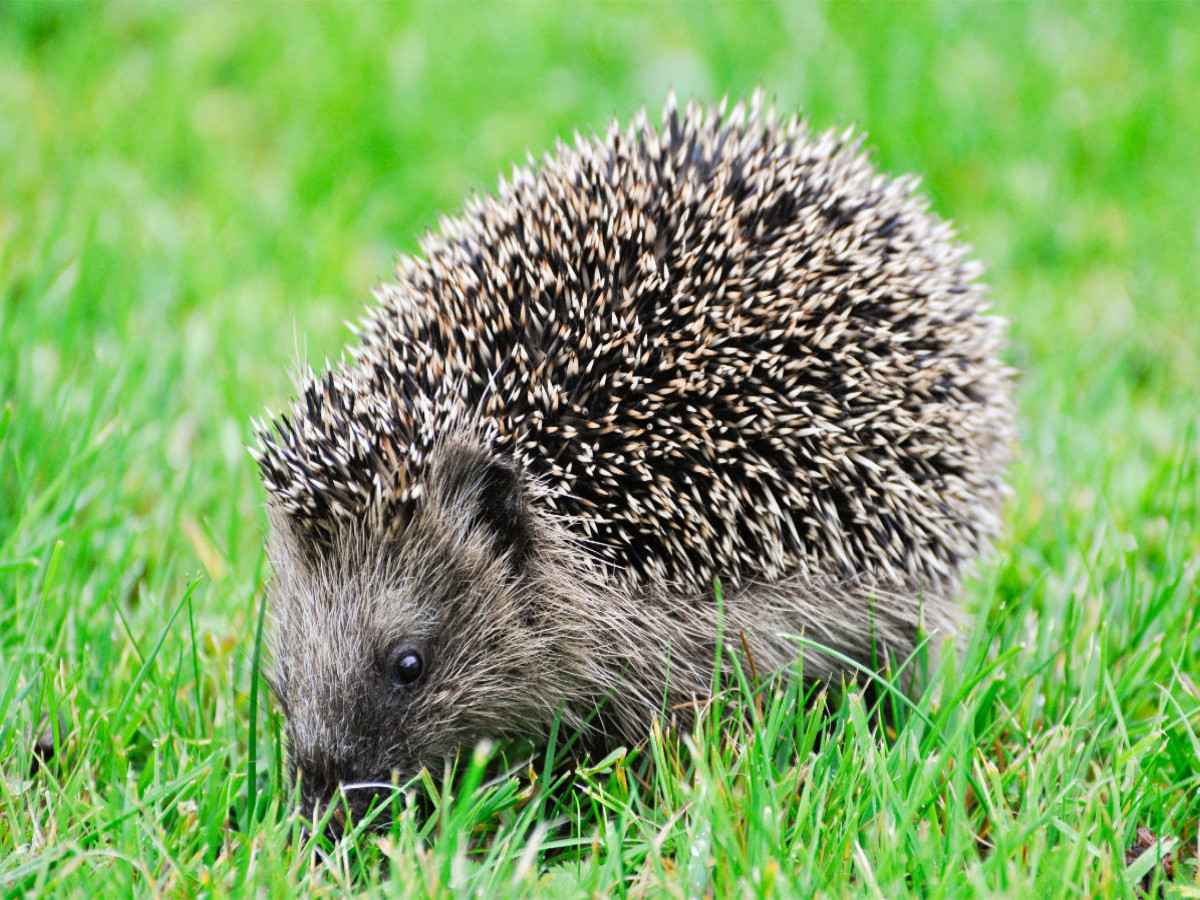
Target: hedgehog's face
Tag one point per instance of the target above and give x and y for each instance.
(390, 654)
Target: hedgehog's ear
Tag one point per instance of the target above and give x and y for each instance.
(499, 504)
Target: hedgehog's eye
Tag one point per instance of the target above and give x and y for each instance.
(407, 668)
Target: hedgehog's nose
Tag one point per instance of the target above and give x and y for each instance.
(362, 801)
(317, 793)
(342, 806)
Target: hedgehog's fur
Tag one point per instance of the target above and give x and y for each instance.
(728, 348)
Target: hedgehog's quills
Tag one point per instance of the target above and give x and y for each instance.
(726, 348)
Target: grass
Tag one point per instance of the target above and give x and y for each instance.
(189, 197)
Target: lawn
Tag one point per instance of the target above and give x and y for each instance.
(193, 198)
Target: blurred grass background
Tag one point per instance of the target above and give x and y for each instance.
(191, 197)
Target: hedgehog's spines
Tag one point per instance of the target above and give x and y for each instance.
(724, 346)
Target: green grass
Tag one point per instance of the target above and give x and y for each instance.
(192, 196)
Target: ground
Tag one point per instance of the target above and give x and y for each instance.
(193, 198)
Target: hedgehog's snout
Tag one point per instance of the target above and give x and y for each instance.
(325, 784)
(351, 805)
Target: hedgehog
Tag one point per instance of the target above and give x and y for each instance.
(723, 351)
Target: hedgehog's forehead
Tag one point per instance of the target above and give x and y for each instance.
(352, 596)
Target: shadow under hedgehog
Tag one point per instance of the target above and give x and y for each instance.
(725, 347)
